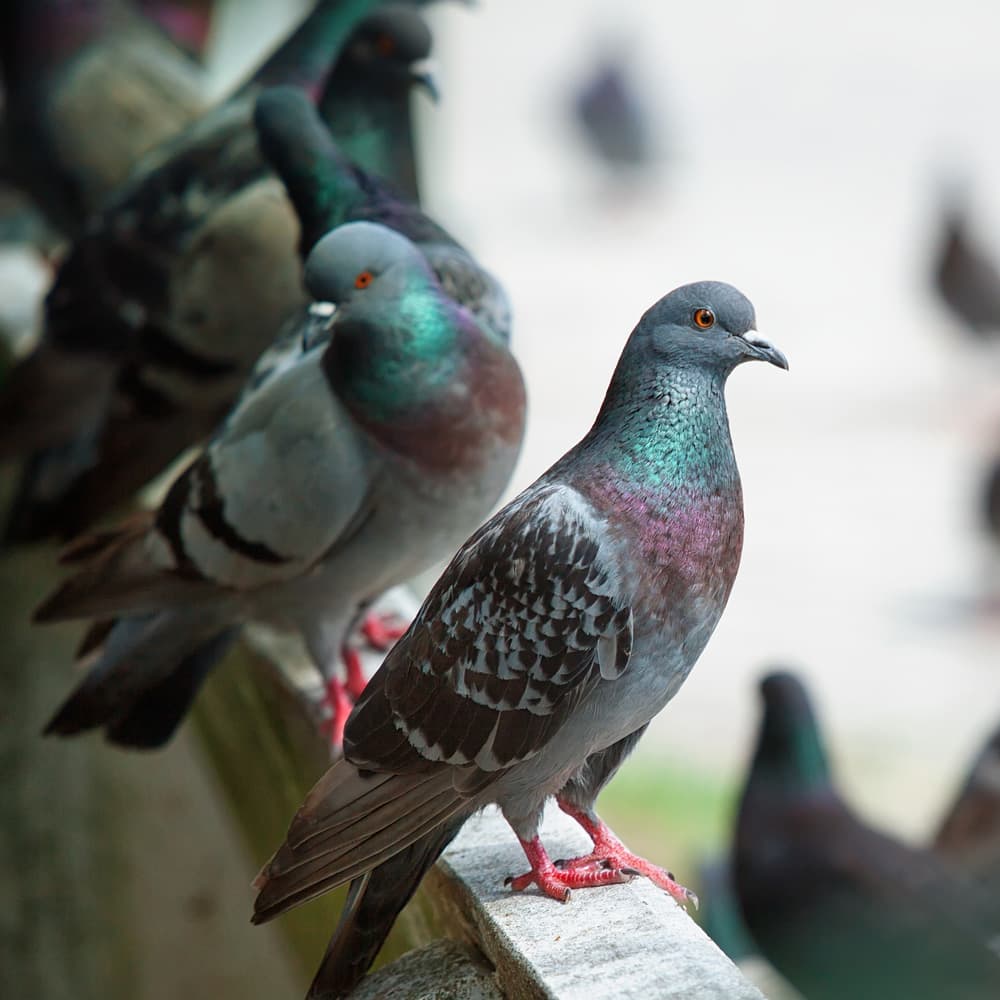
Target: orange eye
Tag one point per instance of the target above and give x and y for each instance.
(385, 45)
(364, 279)
(704, 319)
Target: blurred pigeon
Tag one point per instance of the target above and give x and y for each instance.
(553, 637)
(840, 909)
(89, 86)
(327, 190)
(159, 312)
(370, 111)
(613, 118)
(342, 472)
(969, 835)
(965, 276)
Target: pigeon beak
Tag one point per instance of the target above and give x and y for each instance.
(422, 75)
(759, 349)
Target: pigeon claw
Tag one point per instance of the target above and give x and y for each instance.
(381, 631)
(336, 707)
(626, 863)
(610, 852)
(356, 680)
(558, 884)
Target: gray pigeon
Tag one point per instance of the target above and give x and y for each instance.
(557, 632)
(613, 117)
(964, 274)
(348, 467)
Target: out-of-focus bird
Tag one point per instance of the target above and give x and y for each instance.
(328, 190)
(370, 111)
(555, 634)
(614, 119)
(840, 909)
(969, 834)
(89, 86)
(354, 464)
(159, 312)
(187, 22)
(965, 276)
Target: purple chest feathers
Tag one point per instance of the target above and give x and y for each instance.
(685, 550)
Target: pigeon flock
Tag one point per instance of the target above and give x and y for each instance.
(248, 299)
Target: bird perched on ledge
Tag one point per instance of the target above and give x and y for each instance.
(150, 330)
(840, 909)
(556, 633)
(347, 468)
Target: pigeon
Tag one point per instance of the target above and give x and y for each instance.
(328, 190)
(969, 834)
(964, 275)
(343, 471)
(372, 110)
(89, 86)
(558, 630)
(149, 329)
(840, 909)
(614, 120)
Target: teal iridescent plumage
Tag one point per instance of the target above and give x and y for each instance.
(408, 358)
(369, 113)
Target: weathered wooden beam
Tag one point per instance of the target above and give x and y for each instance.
(121, 874)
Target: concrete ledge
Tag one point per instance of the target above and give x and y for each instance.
(622, 941)
(444, 970)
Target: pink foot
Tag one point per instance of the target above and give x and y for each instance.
(356, 679)
(556, 883)
(610, 853)
(381, 631)
(337, 707)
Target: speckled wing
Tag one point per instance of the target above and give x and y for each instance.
(525, 622)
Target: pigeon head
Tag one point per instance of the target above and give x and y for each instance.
(388, 49)
(352, 260)
(789, 749)
(707, 324)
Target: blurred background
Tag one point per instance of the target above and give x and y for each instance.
(806, 154)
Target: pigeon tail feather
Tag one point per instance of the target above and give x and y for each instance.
(120, 572)
(373, 903)
(387, 813)
(142, 676)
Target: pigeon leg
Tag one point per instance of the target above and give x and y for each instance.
(381, 630)
(555, 882)
(610, 853)
(337, 706)
(356, 679)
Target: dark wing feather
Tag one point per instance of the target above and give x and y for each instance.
(522, 625)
